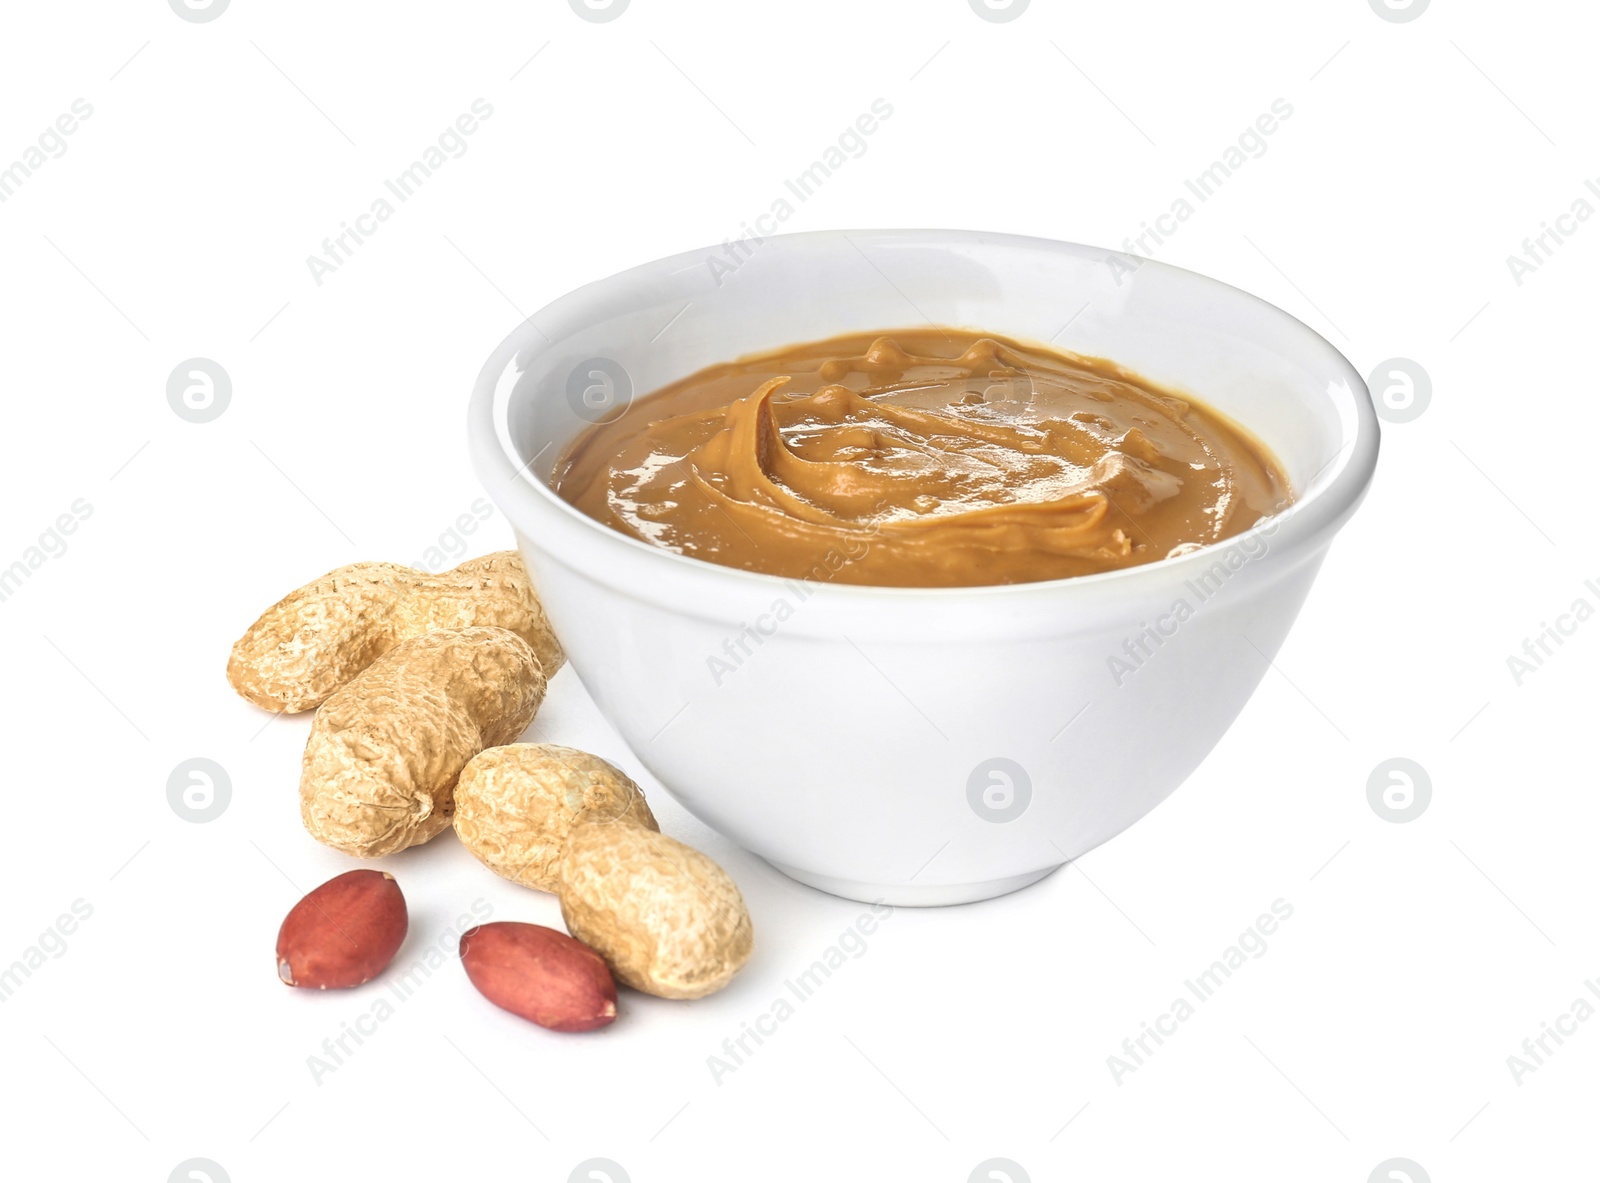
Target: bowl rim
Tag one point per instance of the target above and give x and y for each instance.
(1314, 514)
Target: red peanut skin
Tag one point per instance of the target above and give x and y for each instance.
(343, 933)
(540, 975)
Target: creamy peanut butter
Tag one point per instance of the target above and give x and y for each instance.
(923, 458)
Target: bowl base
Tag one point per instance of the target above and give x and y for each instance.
(914, 895)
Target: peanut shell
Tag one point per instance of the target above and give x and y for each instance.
(516, 805)
(319, 637)
(665, 917)
(381, 764)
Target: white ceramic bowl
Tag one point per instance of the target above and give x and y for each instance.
(920, 746)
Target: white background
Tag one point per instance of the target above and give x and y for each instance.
(177, 224)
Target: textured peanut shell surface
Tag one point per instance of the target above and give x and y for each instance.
(385, 750)
(665, 917)
(320, 636)
(516, 805)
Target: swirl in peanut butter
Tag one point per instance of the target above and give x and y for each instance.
(925, 458)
